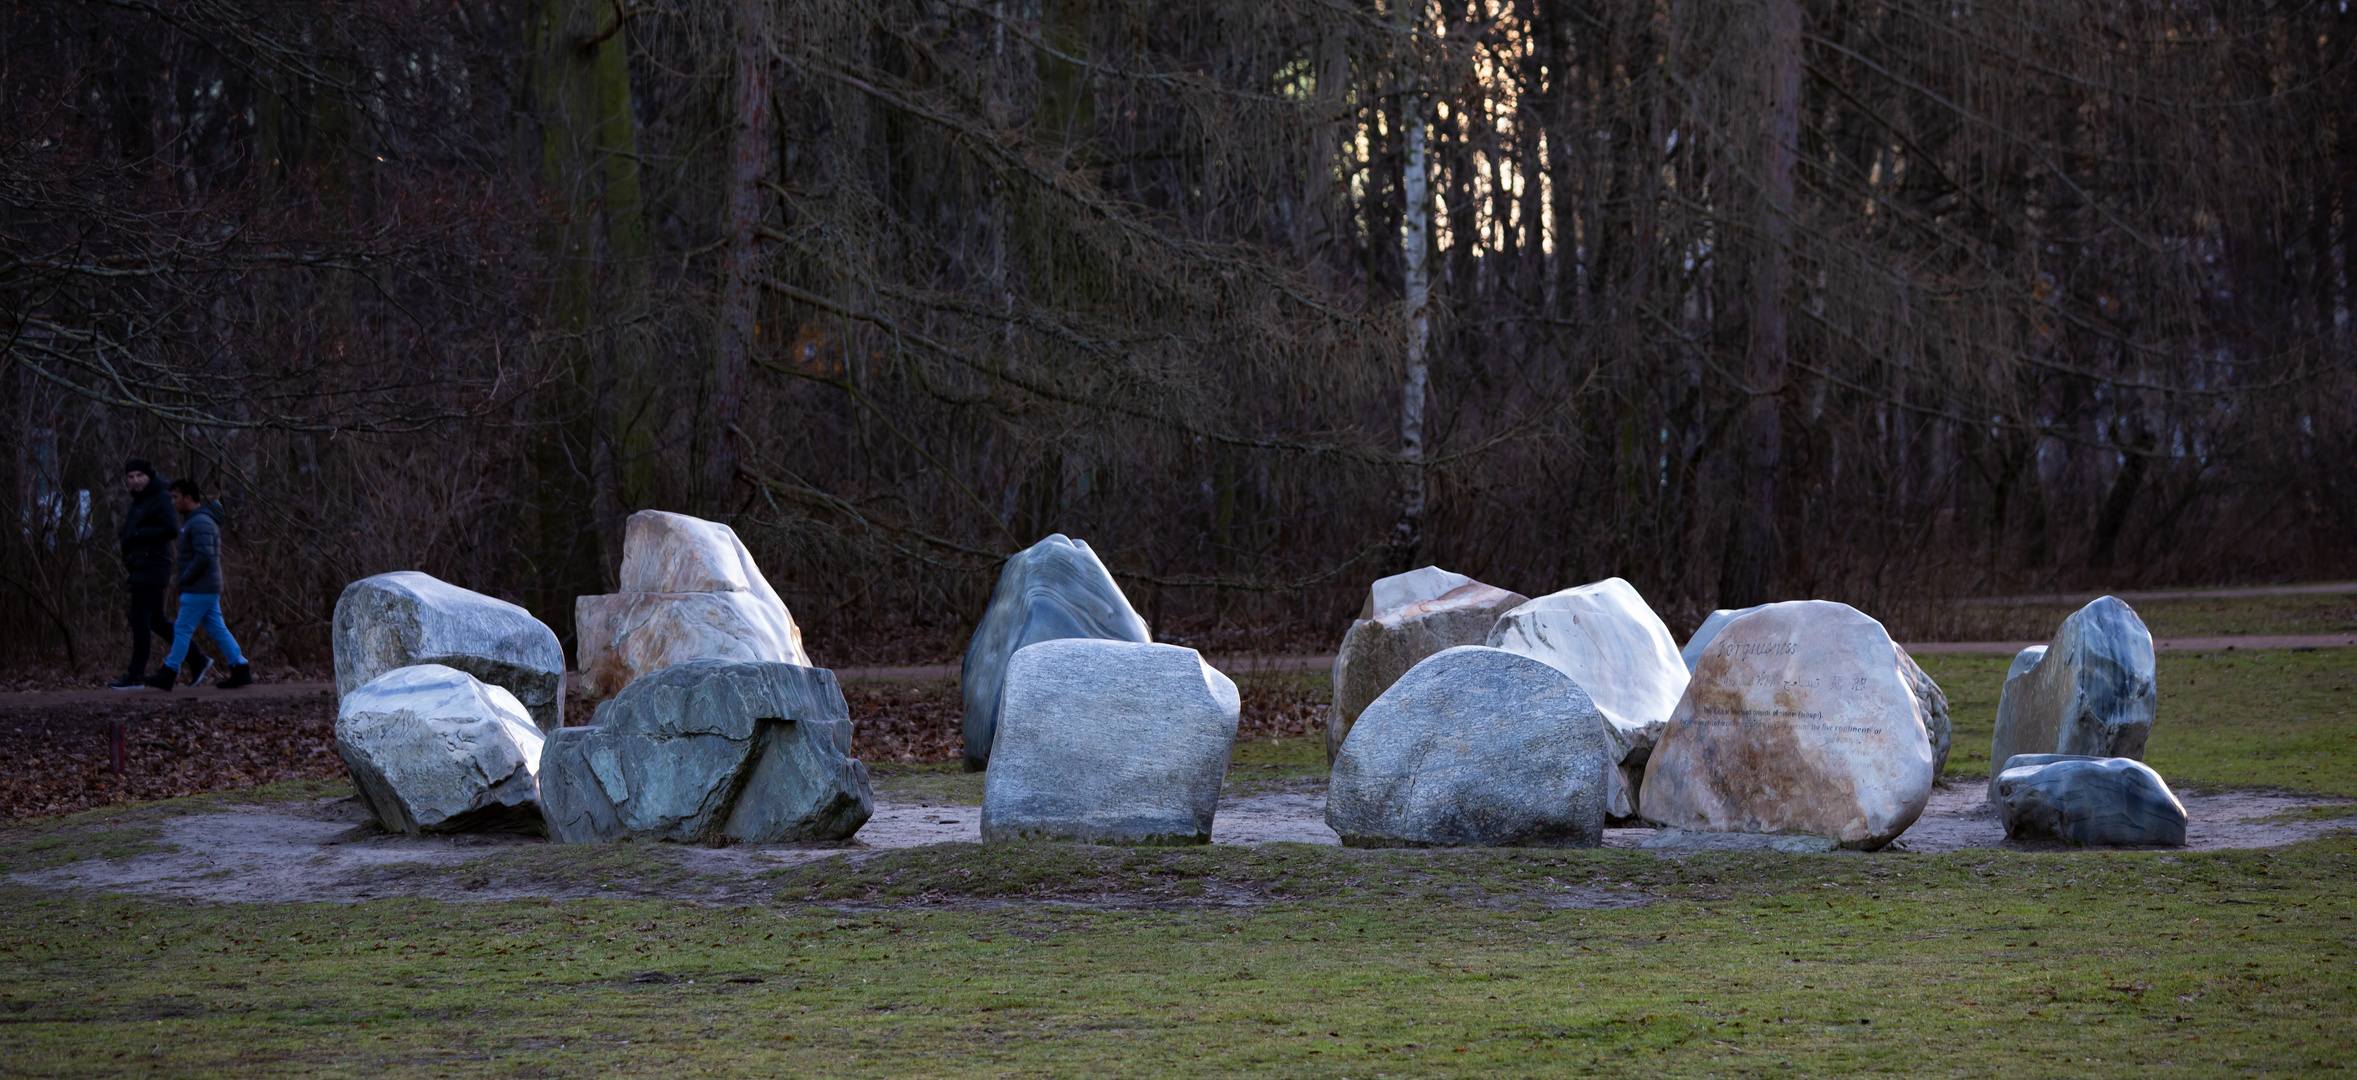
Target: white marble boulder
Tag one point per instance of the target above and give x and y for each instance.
(2083, 799)
(2091, 692)
(1406, 618)
(707, 750)
(1052, 590)
(1800, 719)
(1474, 746)
(1718, 620)
(1937, 729)
(1607, 639)
(433, 749)
(405, 618)
(1109, 742)
(690, 591)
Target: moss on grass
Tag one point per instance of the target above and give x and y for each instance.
(114, 832)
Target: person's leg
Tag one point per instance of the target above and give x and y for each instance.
(218, 629)
(146, 615)
(192, 610)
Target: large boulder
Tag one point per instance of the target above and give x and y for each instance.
(405, 618)
(1937, 731)
(433, 749)
(1109, 742)
(690, 591)
(710, 749)
(1800, 719)
(1407, 617)
(2087, 800)
(1474, 746)
(2090, 693)
(1709, 631)
(1609, 641)
(1052, 590)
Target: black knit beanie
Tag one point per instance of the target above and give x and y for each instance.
(138, 464)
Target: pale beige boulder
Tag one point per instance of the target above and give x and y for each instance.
(690, 592)
(1406, 618)
(1801, 719)
(1608, 640)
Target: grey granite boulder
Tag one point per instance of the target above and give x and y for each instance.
(2092, 692)
(432, 749)
(406, 618)
(1051, 590)
(1474, 746)
(1931, 700)
(749, 751)
(2088, 800)
(1407, 617)
(1109, 742)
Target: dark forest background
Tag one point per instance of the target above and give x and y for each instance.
(1890, 302)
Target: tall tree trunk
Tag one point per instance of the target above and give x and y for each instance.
(1750, 573)
(1415, 244)
(750, 156)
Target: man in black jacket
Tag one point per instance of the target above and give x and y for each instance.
(149, 528)
(200, 591)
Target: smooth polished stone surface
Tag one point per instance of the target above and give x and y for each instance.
(1474, 746)
(1608, 640)
(1709, 629)
(690, 591)
(2088, 800)
(1381, 648)
(1799, 719)
(1109, 742)
(1052, 590)
(710, 749)
(405, 618)
(2092, 692)
(433, 749)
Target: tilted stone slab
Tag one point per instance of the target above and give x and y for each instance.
(1474, 746)
(406, 618)
(1418, 622)
(690, 591)
(2092, 692)
(1799, 719)
(1109, 742)
(2088, 800)
(1052, 590)
(433, 749)
(1608, 640)
(1938, 731)
(706, 749)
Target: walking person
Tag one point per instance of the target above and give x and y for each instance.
(149, 528)
(200, 591)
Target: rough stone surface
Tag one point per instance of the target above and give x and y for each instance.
(1474, 746)
(1933, 702)
(405, 618)
(2088, 800)
(1052, 590)
(1800, 719)
(1709, 629)
(1406, 622)
(690, 591)
(709, 749)
(433, 749)
(1610, 642)
(1109, 742)
(2091, 692)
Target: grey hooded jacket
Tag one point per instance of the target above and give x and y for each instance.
(200, 550)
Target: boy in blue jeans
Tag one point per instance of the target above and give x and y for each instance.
(200, 591)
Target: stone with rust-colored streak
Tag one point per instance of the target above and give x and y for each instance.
(690, 591)
(1800, 719)
(1409, 617)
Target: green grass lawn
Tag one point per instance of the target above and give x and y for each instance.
(2310, 614)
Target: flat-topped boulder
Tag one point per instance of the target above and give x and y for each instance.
(1474, 746)
(2092, 692)
(1052, 590)
(1407, 617)
(690, 591)
(708, 749)
(1609, 641)
(1109, 742)
(433, 749)
(406, 618)
(2088, 800)
(1800, 719)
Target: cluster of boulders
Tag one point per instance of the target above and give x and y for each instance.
(714, 728)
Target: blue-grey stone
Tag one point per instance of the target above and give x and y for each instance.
(2092, 692)
(747, 750)
(1109, 742)
(1051, 590)
(1709, 631)
(2088, 800)
(405, 618)
(1474, 746)
(433, 749)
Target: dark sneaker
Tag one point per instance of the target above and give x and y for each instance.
(239, 675)
(126, 682)
(203, 666)
(163, 680)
